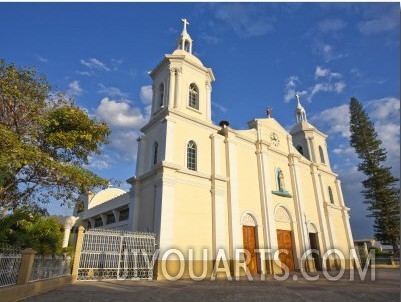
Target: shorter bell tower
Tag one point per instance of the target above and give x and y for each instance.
(309, 141)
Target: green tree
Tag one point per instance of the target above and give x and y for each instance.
(31, 227)
(380, 187)
(45, 141)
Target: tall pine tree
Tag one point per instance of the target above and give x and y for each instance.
(380, 188)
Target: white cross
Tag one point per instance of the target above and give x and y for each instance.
(185, 23)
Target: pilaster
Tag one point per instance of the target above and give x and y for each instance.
(319, 198)
(299, 208)
(171, 90)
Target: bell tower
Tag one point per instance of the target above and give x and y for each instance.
(309, 141)
(181, 82)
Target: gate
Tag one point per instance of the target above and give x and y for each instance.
(116, 254)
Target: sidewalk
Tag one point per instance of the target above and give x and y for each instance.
(385, 287)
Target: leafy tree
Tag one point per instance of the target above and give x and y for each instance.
(380, 188)
(44, 142)
(30, 227)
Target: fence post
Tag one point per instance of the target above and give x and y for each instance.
(25, 269)
(77, 256)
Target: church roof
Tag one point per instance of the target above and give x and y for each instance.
(105, 195)
(188, 56)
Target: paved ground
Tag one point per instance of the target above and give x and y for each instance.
(385, 287)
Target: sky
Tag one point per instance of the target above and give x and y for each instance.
(261, 54)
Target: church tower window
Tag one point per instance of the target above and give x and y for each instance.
(331, 195)
(155, 151)
(193, 100)
(321, 155)
(191, 155)
(161, 95)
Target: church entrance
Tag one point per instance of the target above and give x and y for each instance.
(249, 238)
(314, 246)
(284, 240)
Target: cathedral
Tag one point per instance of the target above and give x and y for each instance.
(263, 196)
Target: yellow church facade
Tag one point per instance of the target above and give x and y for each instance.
(209, 190)
(223, 201)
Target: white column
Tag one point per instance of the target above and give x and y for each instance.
(208, 101)
(139, 160)
(68, 224)
(218, 191)
(171, 88)
(232, 197)
(303, 236)
(165, 200)
(154, 95)
(177, 96)
(332, 234)
(311, 149)
(167, 144)
(316, 178)
(270, 230)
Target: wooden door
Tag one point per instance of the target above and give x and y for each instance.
(314, 246)
(249, 238)
(284, 239)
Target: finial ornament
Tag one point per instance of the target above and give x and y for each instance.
(268, 112)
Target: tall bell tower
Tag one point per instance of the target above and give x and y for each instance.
(181, 82)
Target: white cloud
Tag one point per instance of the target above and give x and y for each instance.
(125, 143)
(291, 89)
(115, 63)
(328, 86)
(324, 72)
(385, 114)
(339, 86)
(112, 92)
(380, 21)
(384, 108)
(219, 107)
(326, 51)
(331, 25)
(120, 114)
(100, 161)
(74, 88)
(146, 94)
(94, 64)
(41, 59)
(245, 20)
(335, 120)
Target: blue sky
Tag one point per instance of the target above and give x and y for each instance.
(261, 54)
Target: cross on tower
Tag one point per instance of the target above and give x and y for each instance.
(185, 24)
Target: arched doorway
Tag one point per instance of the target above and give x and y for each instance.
(249, 236)
(285, 237)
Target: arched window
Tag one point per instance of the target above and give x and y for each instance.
(187, 46)
(191, 155)
(321, 155)
(331, 195)
(155, 151)
(161, 95)
(300, 149)
(193, 100)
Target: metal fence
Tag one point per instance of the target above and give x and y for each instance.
(47, 267)
(10, 259)
(116, 254)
